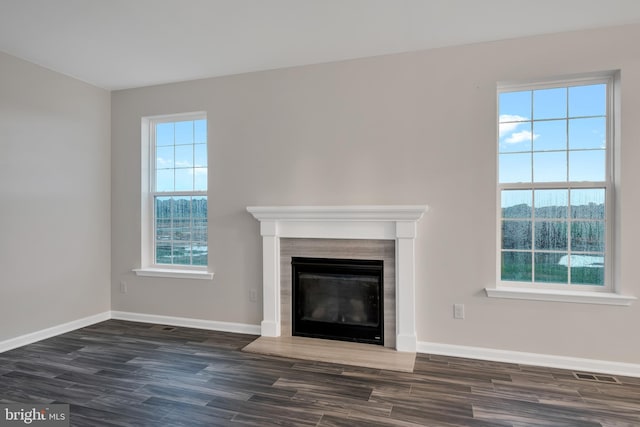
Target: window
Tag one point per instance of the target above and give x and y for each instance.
(177, 195)
(555, 186)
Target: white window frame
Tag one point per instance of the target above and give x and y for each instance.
(149, 268)
(594, 294)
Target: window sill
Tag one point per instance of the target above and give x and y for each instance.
(560, 296)
(173, 273)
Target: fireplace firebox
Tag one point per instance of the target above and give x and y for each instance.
(340, 299)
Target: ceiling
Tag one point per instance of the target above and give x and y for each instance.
(118, 44)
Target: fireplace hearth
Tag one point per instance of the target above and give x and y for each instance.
(340, 299)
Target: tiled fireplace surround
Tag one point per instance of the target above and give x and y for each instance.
(357, 232)
(340, 248)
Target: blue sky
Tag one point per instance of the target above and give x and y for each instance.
(181, 156)
(551, 135)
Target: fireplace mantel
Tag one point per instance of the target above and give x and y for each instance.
(397, 222)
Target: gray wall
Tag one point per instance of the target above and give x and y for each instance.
(403, 129)
(54, 198)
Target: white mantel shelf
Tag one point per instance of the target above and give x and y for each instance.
(387, 222)
(339, 213)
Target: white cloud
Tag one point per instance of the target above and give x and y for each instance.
(511, 132)
(512, 118)
(506, 128)
(162, 163)
(514, 123)
(522, 136)
(190, 170)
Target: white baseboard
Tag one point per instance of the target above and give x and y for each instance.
(240, 328)
(30, 338)
(43, 334)
(523, 358)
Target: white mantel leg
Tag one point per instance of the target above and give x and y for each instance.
(270, 326)
(406, 339)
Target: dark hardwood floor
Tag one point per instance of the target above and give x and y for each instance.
(118, 373)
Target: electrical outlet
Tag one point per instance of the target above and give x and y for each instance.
(253, 295)
(458, 311)
(123, 287)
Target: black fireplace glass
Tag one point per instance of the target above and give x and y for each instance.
(338, 299)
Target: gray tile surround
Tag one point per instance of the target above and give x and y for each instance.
(340, 248)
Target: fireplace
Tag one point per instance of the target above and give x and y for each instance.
(324, 224)
(339, 299)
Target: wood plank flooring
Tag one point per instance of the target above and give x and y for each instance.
(342, 352)
(119, 373)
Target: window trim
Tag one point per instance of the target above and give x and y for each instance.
(174, 273)
(556, 295)
(575, 292)
(149, 268)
